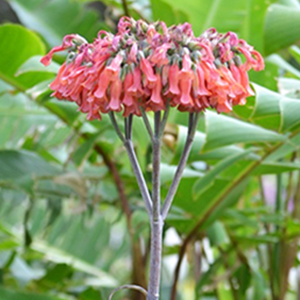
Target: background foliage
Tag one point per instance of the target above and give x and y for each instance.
(72, 223)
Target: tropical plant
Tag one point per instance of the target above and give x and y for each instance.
(71, 213)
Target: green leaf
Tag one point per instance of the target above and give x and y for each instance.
(288, 147)
(33, 64)
(282, 26)
(168, 171)
(19, 117)
(58, 256)
(91, 294)
(266, 102)
(281, 63)
(7, 294)
(18, 44)
(222, 130)
(290, 113)
(54, 19)
(84, 150)
(209, 178)
(198, 143)
(295, 51)
(259, 285)
(217, 234)
(289, 87)
(257, 239)
(161, 10)
(18, 164)
(276, 168)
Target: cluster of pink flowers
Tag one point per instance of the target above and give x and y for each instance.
(151, 66)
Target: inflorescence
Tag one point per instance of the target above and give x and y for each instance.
(152, 66)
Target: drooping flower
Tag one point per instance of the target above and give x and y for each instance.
(150, 65)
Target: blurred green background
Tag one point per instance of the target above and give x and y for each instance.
(72, 222)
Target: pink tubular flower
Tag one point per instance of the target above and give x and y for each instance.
(156, 100)
(150, 65)
(148, 70)
(115, 93)
(173, 80)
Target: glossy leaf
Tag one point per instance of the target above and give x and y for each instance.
(222, 130)
(282, 26)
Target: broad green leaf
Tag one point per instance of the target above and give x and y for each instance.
(220, 153)
(212, 203)
(209, 178)
(257, 239)
(18, 116)
(9, 294)
(288, 147)
(168, 171)
(295, 51)
(91, 294)
(276, 168)
(4, 87)
(243, 276)
(282, 27)
(266, 102)
(217, 234)
(281, 63)
(40, 91)
(241, 218)
(54, 19)
(198, 143)
(17, 164)
(84, 150)
(18, 44)
(290, 113)
(289, 87)
(162, 10)
(33, 64)
(222, 130)
(246, 17)
(259, 285)
(59, 256)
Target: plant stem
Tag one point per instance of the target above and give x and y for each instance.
(125, 8)
(128, 286)
(164, 120)
(133, 159)
(156, 215)
(139, 175)
(193, 121)
(147, 123)
(156, 219)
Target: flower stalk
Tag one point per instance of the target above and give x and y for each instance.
(157, 215)
(150, 68)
